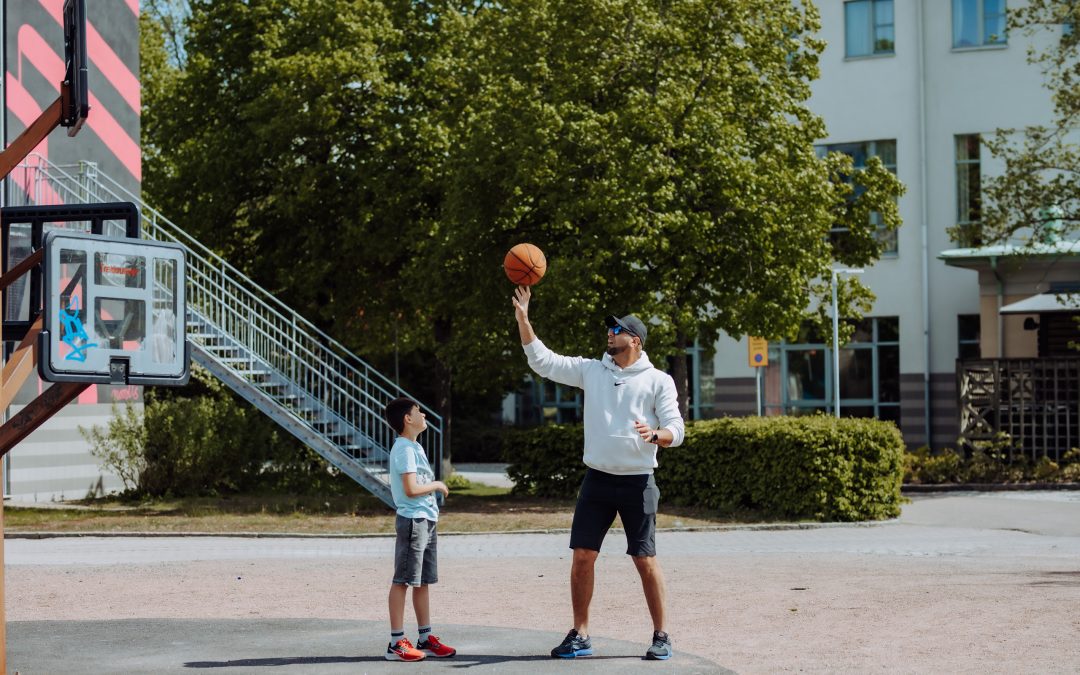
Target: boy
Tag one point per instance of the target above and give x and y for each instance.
(413, 485)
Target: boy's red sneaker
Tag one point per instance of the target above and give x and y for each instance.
(436, 648)
(402, 650)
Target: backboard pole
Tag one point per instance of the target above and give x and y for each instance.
(31, 137)
(74, 90)
(3, 599)
(24, 422)
(20, 364)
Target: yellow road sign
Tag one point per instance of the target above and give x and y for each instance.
(759, 352)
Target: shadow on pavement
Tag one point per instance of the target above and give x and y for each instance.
(310, 646)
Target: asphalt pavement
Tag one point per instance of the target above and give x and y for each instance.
(1028, 542)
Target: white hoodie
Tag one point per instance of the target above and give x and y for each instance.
(614, 398)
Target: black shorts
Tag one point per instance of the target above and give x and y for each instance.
(633, 498)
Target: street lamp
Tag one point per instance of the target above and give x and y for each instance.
(836, 337)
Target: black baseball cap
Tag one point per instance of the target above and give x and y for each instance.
(630, 323)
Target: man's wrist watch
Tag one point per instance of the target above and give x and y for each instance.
(655, 437)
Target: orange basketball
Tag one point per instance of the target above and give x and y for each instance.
(525, 265)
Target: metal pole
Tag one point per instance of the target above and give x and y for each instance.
(836, 337)
(757, 382)
(835, 347)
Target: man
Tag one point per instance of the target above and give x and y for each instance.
(631, 409)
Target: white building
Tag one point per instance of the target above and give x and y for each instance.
(915, 82)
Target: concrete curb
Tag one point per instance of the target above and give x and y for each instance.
(987, 487)
(764, 527)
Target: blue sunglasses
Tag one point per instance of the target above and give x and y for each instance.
(615, 330)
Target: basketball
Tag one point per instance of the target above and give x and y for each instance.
(525, 264)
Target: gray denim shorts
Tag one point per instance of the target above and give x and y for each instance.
(416, 560)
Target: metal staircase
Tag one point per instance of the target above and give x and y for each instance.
(296, 374)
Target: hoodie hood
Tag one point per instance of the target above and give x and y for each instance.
(639, 366)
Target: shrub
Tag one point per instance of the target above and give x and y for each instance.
(921, 466)
(477, 440)
(121, 445)
(200, 446)
(1070, 465)
(205, 443)
(801, 467)
(988, 462)
(456, 481)
(545, 461)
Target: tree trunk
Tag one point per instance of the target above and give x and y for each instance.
(444, 394)
(680, 373)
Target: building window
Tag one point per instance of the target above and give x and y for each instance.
(977, 23)
(968, 190)
(885, 150)
(544, 401)
(799, 376)
(967, 331)
(868, 27)
(702, 394)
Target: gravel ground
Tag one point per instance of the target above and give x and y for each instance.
(963, 583)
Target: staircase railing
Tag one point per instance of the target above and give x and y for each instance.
(316, 368)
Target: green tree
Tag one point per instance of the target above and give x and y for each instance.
(1038, 193)
(372, 162)
(170, 18)
(271, 139)
(158, 77)
(661, 153)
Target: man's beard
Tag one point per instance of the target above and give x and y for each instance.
(614, 350)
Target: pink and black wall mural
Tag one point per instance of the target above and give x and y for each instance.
(34, 66)
(33, 48)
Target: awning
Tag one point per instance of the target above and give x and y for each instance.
(1045, 303)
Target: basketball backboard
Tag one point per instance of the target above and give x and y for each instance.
(23, 230)
(114, 311)
(75, 89)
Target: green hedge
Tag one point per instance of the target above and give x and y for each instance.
(545, 461)
(796, 467)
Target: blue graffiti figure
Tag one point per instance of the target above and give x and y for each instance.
(73, 330)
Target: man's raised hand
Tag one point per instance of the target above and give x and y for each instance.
(522, 295)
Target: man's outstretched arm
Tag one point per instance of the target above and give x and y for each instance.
(522, 295)
(543, 361)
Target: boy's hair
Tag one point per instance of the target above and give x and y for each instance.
(396, 411)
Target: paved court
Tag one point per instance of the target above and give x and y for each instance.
(293, 646)
(960, 583)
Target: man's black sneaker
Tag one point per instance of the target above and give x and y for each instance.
(573, 646)
(661, 647)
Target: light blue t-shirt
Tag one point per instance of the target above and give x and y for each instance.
(409, 457)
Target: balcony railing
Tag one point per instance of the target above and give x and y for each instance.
(1035, 401)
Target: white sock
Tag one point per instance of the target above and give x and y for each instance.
(425, 631)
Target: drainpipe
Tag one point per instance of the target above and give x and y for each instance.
(924, 216)
(1000, 304)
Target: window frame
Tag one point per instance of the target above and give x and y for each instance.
(889, 240)
(968, 198)
(873, 28)
(701, 401)
(962, 341)
(779, 353)
(983, 40)
(564, 406)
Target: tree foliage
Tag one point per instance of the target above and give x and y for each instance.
(371, 162)
(1038, 193)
